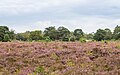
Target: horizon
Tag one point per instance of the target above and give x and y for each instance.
(56, 28)
(88, 15)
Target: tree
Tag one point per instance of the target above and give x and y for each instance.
(6, 38)
(36, 35)
(63, 34)
(108, 35)
(100, 35)
(116, 33)
(3, 30)
(19, 37)
(11, 34)
(72, 37)
(22, 36)
(78, 33)
(50, 32)
(89, 36)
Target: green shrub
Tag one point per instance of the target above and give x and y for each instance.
(47, 39)
(6, 38)
(65, 39)
(82, 40)
(72, 39)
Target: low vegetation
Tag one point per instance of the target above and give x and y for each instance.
(59, 52)
(59, 58)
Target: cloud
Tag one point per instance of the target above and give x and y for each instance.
(89, 15)
(16, 7)
(87, 24)
(109, 8)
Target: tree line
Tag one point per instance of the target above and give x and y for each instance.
(59, 34)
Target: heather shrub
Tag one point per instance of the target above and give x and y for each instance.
(40, 70)
(70, 63)
(59, 58)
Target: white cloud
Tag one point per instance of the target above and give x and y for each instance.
(40, 25)
(88, 24)
(86, 14)
(16, 7)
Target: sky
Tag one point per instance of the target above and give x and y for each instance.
(88, 15)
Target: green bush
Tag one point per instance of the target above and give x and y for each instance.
(72, 39)
(47, 39)
(65, 39)
(6, 38)
(82, 40)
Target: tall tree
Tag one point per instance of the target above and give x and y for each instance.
(36, 35)
(100, 35)
(6, 38)
(78, 33)
(63, 33)
(50, 32)
(116, 33)
(108, 35)
(3, 30)
(72, 37)
(89, 36)
(21, 37)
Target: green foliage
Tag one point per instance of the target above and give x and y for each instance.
(12, 34)
(47, 39)
(36, 35)
(78, 33)
(22, 37)
(89, 36)
(63, 34)
(116, 33)
(99, 35)
(60, 34)
(5, 34)
(72, 39)
(6, 38)
(50, 32)
(108, 35)
(65, 39)
(3, 30)
(30, 36)
(82, 40)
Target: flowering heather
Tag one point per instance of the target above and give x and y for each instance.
(60, 58)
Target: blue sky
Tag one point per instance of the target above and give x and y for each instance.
(89, 15)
